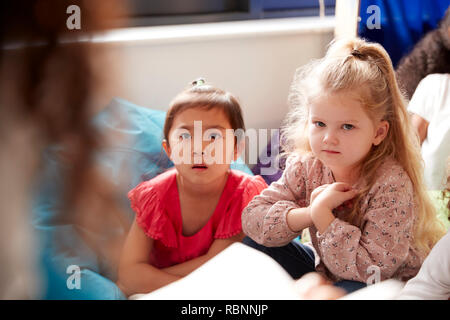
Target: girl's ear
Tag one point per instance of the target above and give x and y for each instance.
(381, 132)
(166, 147)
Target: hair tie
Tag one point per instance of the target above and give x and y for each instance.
(356, 53)
(198, 82)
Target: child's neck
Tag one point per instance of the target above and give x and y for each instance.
(347, 175)
(193, 190)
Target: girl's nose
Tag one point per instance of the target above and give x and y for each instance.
(198, 156)
(330, 138)
(197, 148)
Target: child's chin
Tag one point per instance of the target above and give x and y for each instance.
(330, 162)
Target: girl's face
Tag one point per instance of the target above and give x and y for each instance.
(201, 144)
(340, 132)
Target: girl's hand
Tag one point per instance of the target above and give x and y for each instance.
(317, 191)
(331, 196)
(312, 286)
(122, 288)
(325, 199)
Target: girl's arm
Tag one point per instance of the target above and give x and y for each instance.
(324, 199)
(382, 244)
(320, 216)
(135, 274)
(299, 219)
(420, 125)
(217, 246)
(274, 217)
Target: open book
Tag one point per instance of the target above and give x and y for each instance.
(243, 273)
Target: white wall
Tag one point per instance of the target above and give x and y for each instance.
(255, 60)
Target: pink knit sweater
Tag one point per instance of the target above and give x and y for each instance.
(383, 242)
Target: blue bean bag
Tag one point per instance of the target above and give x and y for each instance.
(133, 155)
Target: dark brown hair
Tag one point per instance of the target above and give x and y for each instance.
(208, 97)
(430, 55)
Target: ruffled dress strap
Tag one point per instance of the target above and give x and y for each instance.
(151, 214)
(239, 194)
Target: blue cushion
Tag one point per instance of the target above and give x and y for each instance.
(133, 154)
(93, 286)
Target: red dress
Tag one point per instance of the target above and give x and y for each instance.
(157, 206)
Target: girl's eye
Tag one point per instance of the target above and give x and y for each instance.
(214, 136)
(185, 136)
(348, 126)
(319, 124)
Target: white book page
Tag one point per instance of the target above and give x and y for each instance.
(237, 273)
(243, 273)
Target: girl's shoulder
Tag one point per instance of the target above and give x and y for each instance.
(161, 183)
(155, 188)
(302, 160)
(304, 165)
(241, 181)
(150, 200)
(391, 173)
(390, 166)
(166, 176)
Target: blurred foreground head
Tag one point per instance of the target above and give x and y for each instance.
(48, 82)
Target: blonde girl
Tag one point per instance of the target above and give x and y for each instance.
(353, 176)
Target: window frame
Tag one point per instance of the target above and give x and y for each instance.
(248, 10)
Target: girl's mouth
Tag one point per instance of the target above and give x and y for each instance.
(331, 151)
(199, 167)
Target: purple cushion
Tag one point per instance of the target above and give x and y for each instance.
(267, 166)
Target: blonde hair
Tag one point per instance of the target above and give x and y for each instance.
(446, 191)
(364, 70)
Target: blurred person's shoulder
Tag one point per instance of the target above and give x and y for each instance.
(435, 79)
